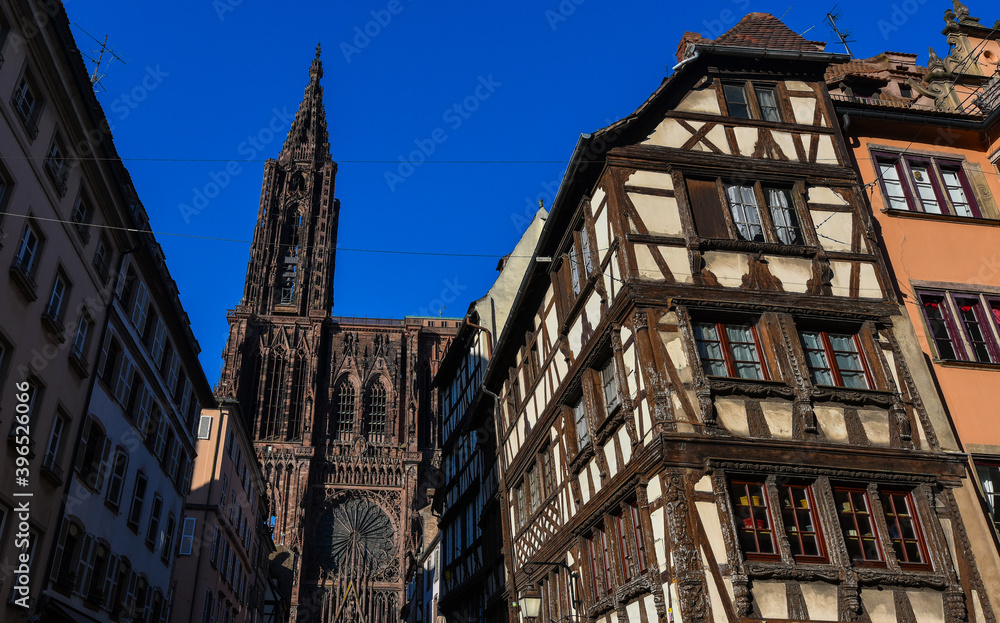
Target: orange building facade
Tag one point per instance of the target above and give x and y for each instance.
(926, 143)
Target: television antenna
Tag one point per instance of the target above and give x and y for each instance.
(832, 18)
(97, 76)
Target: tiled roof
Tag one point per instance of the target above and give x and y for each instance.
(763, 30)
(875, 65)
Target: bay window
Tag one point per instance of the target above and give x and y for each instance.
(835, 359)
(730, 350)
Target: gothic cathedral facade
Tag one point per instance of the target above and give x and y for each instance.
(342, 411)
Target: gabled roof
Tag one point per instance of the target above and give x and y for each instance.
(763, 30)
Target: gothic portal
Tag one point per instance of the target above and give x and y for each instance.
(342, 411)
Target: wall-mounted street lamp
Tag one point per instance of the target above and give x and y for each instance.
(531, 600)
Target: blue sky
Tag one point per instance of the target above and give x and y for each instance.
(207, 83)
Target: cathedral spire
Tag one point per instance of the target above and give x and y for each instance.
(308, 138)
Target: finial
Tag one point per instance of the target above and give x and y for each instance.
(319, 49)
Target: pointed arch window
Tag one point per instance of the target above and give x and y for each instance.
(296, 407)
(274, 397)
(343, 425)
(377, 413)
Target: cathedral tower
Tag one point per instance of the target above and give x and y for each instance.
(342, 411)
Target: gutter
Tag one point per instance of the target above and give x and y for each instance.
(930, 119)
(768, 53)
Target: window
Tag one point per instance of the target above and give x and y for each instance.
(51, 460)
(752, 101)
(753, 519)
(344, 424)
(521, 504)
(93, 453)
(548, 471)
(56, 165)
(102, 258)
(28, 248)
(730, 350)
(904, 530)
(187, 536)
(81, 342)
(533, 488)
(153, 528)
(609, 386)
(801, 522)
(961, 325)
(6, 189)
(855, 512)
(835, 359)
(926, 184)
(989, 480)
(750, 211)
(376, 413)
(57, 298)
(168, 539)
(580, 419)
(205, 427)
(67, 554)
(27, 106)
(138, 495)
(119, 470)
(83, 212)
(640, 542)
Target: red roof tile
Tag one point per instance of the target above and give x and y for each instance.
(763, 30)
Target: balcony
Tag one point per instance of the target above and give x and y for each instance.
(79, 363)
(25, 110)
(988, 99)
(51, 470)
(57, 170)
(102, 269)
(21, 272)
(54, 324)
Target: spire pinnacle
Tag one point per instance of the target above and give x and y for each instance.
(307, 137)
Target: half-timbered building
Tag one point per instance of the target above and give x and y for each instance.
(707, 405)
(467, 499)
(340, 408)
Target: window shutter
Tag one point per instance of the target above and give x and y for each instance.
(117, 478)
(706, 206)
(168, 539)
(110, 579)
(144, 403)
(105, 463)
(133, 580)
(123, 276)
(83, 564)
(60, 546)
(981, 188)
(187, 536)
(188, 473)
(135, 512)
(205, 427)
(81, 450)
(124, 383)
(215, 547)
(161, 438)
(139, 310)
(175, 461)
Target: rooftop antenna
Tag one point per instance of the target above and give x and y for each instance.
(97, 76)
(832, 18)
(787, 11)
